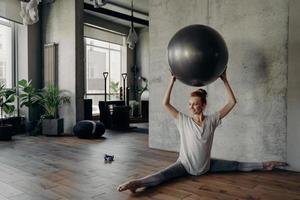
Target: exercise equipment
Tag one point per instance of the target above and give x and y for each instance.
(197, 55)
(114, 114)
(126, 89)
(88, 129)
(105, 75)
(109, 158)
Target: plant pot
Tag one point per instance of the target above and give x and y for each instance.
(135, 109)
(6, 131)
(33, 128)
(53, 127)
(17, 123)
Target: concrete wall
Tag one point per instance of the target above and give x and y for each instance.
(10, 9)
(256, 35)
(34, 49)
(293, 95)
(60, 26)
(34, 55)
(79, 59)
(22, 61)
(142, 56)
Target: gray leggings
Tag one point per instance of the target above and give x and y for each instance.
(216, 165)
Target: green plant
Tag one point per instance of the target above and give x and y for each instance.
(144, 85)
(29, 96)
(52, 99)
(7, 99)
(114, 86)
(134, 105)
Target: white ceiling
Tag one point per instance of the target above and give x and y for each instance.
(141, 8)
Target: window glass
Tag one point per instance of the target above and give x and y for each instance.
(97, 61)
(6, 66)
(115, 46)
(101, 56)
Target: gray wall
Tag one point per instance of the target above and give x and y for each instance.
(293, 95)
(142, 55)
(22, 58)
(256, 35)
(34, 55)
(79, 59)
(60, 25)
(35, 62)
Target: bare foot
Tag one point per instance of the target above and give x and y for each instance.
(270, 165)
(130, 185)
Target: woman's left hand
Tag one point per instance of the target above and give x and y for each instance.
(223, 76)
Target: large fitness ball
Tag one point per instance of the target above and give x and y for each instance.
(197, 55)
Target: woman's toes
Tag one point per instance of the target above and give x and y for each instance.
(270, 165)
(131, 185)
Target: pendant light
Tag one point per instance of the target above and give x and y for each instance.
(132, 37)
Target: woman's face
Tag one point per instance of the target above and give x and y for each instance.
(196, 106)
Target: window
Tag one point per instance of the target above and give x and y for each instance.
(6, 52)
(101, 56)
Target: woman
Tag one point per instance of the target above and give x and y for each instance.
(196, 137)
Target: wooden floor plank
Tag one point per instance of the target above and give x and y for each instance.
(68, 168)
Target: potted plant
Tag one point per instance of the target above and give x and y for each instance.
(52, 99)
(135, 108)
(7, 98)
(30, 98)
(114, 86)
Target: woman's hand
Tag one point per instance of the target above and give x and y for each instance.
(173, 79)
(223, 76)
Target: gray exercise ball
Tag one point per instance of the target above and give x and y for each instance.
(197, 55)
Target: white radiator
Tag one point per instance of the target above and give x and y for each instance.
(50, 64)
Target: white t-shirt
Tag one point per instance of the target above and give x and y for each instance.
(196, 142)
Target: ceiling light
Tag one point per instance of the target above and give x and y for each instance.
(132, 37)
(99, 3)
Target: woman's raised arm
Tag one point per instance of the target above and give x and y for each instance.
(231, 101)
(166, 101)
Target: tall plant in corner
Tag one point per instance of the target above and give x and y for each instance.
(30, 97)
(52, 99)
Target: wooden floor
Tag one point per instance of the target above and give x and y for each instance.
(42, 168)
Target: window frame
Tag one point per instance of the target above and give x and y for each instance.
(122, 67)
(109, 68)
(14, 47)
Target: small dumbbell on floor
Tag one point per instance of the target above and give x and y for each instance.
(108, 158)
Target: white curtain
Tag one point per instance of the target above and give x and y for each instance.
(29, 12)
(102, 35)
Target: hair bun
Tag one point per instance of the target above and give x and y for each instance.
(202, 91)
